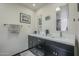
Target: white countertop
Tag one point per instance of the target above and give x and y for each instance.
(65, 40)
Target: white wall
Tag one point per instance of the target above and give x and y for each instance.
(72, 15)
(10, 14)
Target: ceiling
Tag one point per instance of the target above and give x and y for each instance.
(37, 5)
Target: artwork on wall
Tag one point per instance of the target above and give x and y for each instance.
(24, 18)
(40, 21)
(47, 18)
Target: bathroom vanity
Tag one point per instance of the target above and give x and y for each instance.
(50, 46)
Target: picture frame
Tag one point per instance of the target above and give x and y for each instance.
(47, 18)
(24, 18)
(40, 21)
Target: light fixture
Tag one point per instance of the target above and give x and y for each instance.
(58, 9)
(33, 4)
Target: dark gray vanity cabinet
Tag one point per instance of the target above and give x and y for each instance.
(40, 46)
(58, 49)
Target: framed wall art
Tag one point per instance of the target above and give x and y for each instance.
(47, 18)
(24, 18)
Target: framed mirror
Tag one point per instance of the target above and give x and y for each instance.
(62, 18)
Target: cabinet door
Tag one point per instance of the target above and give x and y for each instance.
(55, 48)
(30, 42)
(41, 40)
(35, 41)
